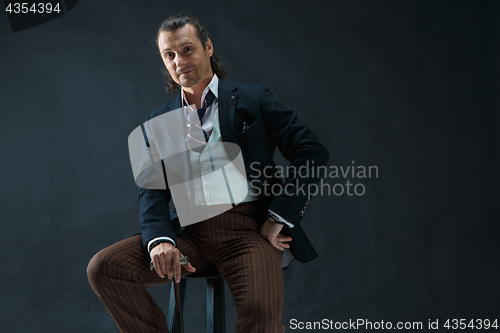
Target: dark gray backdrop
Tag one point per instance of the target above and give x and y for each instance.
(408, 86)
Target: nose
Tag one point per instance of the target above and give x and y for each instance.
(179, 61)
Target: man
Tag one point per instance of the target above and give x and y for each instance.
(246, 243)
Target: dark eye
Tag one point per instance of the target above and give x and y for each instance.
(168, 55)
(187, 49)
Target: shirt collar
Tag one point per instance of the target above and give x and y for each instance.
(213, 86)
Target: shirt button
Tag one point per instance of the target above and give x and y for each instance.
(202, 158)
(204, 166)
(207, 186)
(208, 197)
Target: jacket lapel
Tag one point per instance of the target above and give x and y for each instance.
(227, 103)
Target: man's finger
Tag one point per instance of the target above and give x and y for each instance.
(166, 265)
(277, 245)
(189, 267)
(156, 264)
(282, 242)
(162, 267)
(283, 238)
(171, 273)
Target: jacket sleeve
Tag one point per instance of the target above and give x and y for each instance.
(154, 214)
(302, 148)
(154, 200)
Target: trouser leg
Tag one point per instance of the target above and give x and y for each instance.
(119, 275)
(249, 264)
(255, 280)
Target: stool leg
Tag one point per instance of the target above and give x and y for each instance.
(174, 326)
(216, 312)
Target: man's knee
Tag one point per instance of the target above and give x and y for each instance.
(97, 268)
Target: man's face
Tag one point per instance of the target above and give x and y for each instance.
(184, 56)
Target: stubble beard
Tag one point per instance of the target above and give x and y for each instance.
(197, 79)
(194, 82)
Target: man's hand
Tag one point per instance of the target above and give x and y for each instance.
(166, 259)
(271, 232)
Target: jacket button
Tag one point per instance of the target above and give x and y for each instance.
(182, 228)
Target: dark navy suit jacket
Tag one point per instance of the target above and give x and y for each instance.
(269, 125)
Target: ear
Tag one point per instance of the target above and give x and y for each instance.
(209, 47)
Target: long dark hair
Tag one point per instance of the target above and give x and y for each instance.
(178, 21)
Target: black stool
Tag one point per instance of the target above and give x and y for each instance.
(216, 314)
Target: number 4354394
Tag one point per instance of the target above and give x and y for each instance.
(478, 324)
(40, 8)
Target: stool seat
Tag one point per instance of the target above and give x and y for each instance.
(216, 314)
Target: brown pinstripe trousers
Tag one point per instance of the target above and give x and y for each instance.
(230, 242)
